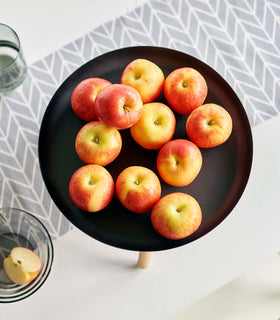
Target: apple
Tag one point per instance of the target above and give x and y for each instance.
(144, 76)
(119, 106)
(22, 265)
(176, 216)
(91, 188)
(155, 127)
(96, 143)
(209, 125)
(179, 162)
(83, 97)
(185, 89)
(138, 188)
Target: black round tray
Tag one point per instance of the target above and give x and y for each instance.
(218, 187)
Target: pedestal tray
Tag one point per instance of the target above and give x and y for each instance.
(217, 188)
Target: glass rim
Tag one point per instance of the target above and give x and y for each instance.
(22, 295)
(19, 47)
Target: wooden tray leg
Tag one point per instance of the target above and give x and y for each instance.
(144, 259)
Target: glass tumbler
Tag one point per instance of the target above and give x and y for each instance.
(19, 228)
(12, 63)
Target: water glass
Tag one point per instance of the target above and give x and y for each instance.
(12, 63)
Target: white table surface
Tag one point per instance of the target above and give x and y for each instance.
(90, 280)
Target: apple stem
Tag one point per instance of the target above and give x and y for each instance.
(125, 107)
(144, 259)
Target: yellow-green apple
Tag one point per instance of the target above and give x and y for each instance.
(119, 106)
(91, 188)
(176, 216)
(185, 89)
(146, 77)
(138, 188)
(155, 127)
(179, 162)
(83, 97)
(97, 143)
(22, 265)
(209, 125)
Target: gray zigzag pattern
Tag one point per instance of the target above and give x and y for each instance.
(239, 39)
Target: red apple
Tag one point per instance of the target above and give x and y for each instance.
(119, 106)
(155, 127)
(176, 216)
(209, 125)
(91, 188)
(144, 76)
(138, 189)
(185, 89)
(22, 265)
(98, 144)
(83, 97)
(179, 162)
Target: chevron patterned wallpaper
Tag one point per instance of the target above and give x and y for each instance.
(239, 39)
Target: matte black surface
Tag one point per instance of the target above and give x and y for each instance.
(218, 187)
